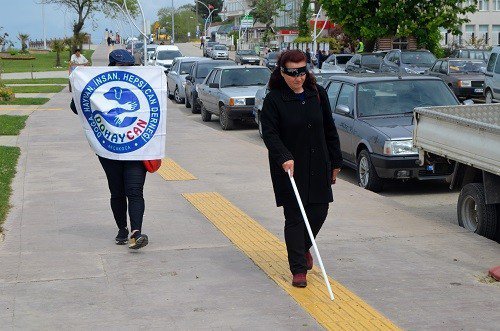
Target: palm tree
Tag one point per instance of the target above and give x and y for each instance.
(24, 41)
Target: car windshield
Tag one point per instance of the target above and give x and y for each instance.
(168, 55)
(272, 56)
(205, 68)
(220, 48)
(211, 43)
(401, 96)
(418, 58)
(185, 66)
(247, 52)
(464, 66)
(245, 77)
(372, 60)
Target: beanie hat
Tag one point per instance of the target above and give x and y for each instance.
(121, 56)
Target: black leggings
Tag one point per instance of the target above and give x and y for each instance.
(126, 181)
(296, 236)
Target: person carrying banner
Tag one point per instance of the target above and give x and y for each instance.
(125, 181)
(300, 135)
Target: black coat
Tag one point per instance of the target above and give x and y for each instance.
(303, 131)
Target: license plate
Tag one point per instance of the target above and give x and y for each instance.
(478, 90)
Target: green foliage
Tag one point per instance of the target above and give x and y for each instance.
(37, 89)
(24, 42)
(300, 40)
(26, 101)
(264, 11)
(42, 62)
(203, 11)
(58, 46)
(372, 19)
(36, 81)
(303, 19)
(11, 125)
(8, 163)
(235, 35)
(184, 22)
(6, 94)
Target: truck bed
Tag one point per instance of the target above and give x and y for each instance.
(467, 134)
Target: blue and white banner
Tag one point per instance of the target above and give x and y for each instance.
(123, 110)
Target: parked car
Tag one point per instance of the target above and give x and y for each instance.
(207, 47)
(165, 55)
(464, 76)
(475, 54)
(322, 75)
(336, 61)
(270, 60)
(408, 62)
(260, 95)
(176, 77)
(219, 52)
(492, 77)
(247, 56)
(229, 92)
(364, 63)
(374, 119)
(197, 74)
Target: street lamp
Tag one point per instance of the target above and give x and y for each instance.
(172, 39)
(210, 9)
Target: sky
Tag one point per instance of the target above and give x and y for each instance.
(25, 16)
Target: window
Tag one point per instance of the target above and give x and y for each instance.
(346, 97)
(185, 67)
(436, 66)
(496, 5)
(483, 32)
(491, 62)
(483, 5)
(333, 91)
(497, 66)
(400, 43)
(217, 76)
(495, 34)
(444, 67)
(209, 77)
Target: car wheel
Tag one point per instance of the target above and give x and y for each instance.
(186, 101)
(489, 97)
(205, 115)
(473, 212)
(225, 122)
(170, 96)
(367, 176)
(195, 107)
(260, 124)
(177, 96)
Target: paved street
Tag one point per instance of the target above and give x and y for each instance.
(400, 251)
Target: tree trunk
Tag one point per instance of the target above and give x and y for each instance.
(58, 58)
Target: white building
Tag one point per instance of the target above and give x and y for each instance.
(484, 24)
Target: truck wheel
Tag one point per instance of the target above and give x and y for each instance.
(205, 115)
(367, 176)
(473, 212)
(225, 122)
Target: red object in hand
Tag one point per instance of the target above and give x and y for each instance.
(495, 272)
(152, 165)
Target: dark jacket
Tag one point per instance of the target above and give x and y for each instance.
(303, 131)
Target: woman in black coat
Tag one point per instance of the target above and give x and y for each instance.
(301, 137)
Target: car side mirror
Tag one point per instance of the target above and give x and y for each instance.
(342, 109)
(468, 102)
(213, 85)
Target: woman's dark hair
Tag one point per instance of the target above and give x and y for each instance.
(277, 82)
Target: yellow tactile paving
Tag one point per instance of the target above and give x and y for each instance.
(170, 170)
(347, 312)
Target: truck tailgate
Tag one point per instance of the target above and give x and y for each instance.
(467, 134)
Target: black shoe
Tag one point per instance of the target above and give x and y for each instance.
(122, 237)
(138, 240)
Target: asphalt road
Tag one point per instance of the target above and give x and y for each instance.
(430, 199)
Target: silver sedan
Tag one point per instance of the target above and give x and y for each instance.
(176, 77)
(229, 92)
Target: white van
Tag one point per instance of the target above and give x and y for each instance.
(492, 77)
(165, 55)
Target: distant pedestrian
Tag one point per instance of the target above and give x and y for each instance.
(308, 57)
(202, 42)
(319, 58)
(361, 46)
(300, 135)
(125, 181)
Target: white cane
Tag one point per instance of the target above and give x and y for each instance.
(306, 221)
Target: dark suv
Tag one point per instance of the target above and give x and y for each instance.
(374, 119)
(197, 75)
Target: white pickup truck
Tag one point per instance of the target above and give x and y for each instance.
(468, 137)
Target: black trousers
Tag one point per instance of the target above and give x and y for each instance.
(296, 236)
(126, 182)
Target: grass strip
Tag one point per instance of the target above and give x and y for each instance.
(8, 162)
(42, 62)
(11, 125)
(36, 81)
(25, 101)
(37, 89)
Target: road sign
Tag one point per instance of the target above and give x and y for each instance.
(247, 22)
(189, 34)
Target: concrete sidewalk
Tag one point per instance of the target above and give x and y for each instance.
(60, 267)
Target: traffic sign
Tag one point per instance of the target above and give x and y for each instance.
(247, 22)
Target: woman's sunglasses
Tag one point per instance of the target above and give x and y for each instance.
(294, 72)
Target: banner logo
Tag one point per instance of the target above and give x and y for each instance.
(122, 109)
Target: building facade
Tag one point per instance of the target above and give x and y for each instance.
(484, 26)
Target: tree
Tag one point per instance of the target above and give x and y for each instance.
(184, 22)
(3, 38)
(264, 11)
(86, 8)
(373, 19)
(304, 19)
(203, 11)
(24, 41)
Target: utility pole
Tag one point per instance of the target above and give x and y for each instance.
(172, 39)
(43, 22)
